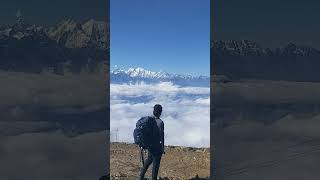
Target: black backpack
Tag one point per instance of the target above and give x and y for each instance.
(146, 132)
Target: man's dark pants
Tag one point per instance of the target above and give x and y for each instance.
(154, 157)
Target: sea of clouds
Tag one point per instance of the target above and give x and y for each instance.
(186, 111)
(29, 107)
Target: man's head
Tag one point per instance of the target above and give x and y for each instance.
(157, 110)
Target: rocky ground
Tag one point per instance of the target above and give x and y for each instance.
(178, 162)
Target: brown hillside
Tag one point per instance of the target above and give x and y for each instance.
(178, 162)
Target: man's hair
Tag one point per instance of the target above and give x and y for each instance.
(157, 110)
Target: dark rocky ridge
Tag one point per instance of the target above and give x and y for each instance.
(67, 46)
(248, 60)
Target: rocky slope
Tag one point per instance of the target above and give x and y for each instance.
(178, 162)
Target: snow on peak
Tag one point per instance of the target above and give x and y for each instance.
(144, 73)
(138, 74)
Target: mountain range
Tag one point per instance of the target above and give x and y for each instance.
(248, 60)
(251, 48)
(73, 46)
(66, 46)
(138, 74)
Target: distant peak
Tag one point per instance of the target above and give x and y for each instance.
(18, 13)
(139, 69)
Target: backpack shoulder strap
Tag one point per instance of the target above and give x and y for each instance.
(141, 155)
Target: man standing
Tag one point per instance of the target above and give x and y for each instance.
(155, 152)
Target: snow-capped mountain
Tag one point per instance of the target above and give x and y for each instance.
(138, 74)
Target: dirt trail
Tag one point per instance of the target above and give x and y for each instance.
(178, 162)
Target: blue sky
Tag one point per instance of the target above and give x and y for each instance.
(169, 35)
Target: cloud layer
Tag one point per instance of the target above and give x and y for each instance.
(186, 111)
(54, 156)
(35, 102)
